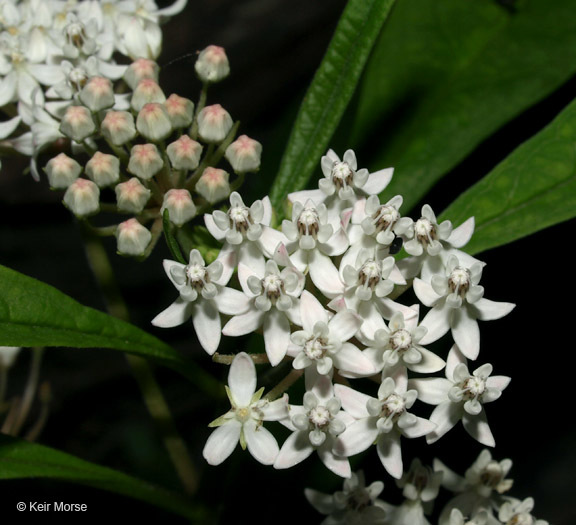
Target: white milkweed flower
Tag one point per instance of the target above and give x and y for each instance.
(516, 512)
(457, 303)
(382, 420)
(461, 396)
(399, 345)
(431, 243)
(273, 304)
(323, 342)
(355, 504)
(246, 233)
(315, 426)
(480, 488)
(243, 422)
(203, 296)
(480, 517)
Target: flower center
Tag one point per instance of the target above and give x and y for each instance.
(401, 340)
(385, 217)
(308, 222)
(240, 218)
(474, 387)
(370, 274)
(522, 518)
(273, 286)
(319, 417)
(242, 414)
(425, 231)
(492, 475)
(459, 281)
(315, 347)
(342, 174)
(392, 406)
(197, 276)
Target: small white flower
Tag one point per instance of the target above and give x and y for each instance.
(381, 420)
(243, 422)
(273, 304)
(355, 504)
(322, 343)
(203, 297)
(315, 426)
(461, 396)
(516, 512)
(457, 303)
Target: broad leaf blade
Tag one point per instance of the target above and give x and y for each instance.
(446, 75)
(533, 188)
(33, 313)
(329, 94)
(20, 459)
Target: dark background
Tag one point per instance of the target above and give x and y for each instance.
(96, 412)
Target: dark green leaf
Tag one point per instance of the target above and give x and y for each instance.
(20, 459)
(329, 94)
(535, 187)
(446, 75)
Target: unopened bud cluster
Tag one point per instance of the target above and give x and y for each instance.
(158, 153)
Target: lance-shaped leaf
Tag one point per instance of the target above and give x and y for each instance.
(329, 94)
(533, 188)
(21, 459)
(33, 313)
(444, 76)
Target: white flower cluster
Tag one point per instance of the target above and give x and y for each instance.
(478, 498)
(50, 48)
(322, 290)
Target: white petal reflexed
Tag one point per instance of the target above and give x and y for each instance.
(222, 443)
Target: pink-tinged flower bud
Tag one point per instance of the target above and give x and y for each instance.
(118, 127)
(141, 69)
(145, 161)
(153, 122)
(180, 109)
(180, 206)
(212, 64)
(132, 238)
(244, 154)
(82, 198)
(77, 123)
(97, 94)
(146, 91)
(103, 169)
(62, 171)
(132, 196)
(184, 153)
(213, 185)
(214, 123)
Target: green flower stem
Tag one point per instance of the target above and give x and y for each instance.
(284, 385)
(29, 392)
(199, 107)
(142, 371)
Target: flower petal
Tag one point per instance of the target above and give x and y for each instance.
(486, 310)
(477, 427)
(312, 311)
(222, 442)
(466, 333)
(242, 379)
(175, 315)
(260, 442)
(295, 449)
(390, 454)
(357, 437)
(325, 275)
(206, 321)
(276, 329)
(232, 302)
(243, 324)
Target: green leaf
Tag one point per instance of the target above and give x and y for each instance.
(444, 76)
(329, 94)
(20, 459)
(33, 313)
(533, 188)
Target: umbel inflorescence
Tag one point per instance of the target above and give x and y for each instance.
(324, 291)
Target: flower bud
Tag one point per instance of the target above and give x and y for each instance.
(244, 154)
(141, 69)
(213, 185)
(214, 123)
(77, 123)
(132, 238)
(180, 206)
(180, 109)
(62, 171)
(184, 153)
(146, 91)
(97, 94)
(153, 122)
(103, 169)
(145, 161)
(132, 196)
(82, 198)
(118, 127)
(212, 64)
